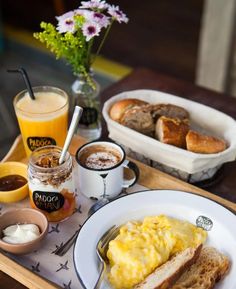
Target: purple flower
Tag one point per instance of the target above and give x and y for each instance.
(66, 23)
(117, 14)
(99, 18)
(90, 29)
(80, 12)
(94, 4)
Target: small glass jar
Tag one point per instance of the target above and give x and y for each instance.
(51, 186)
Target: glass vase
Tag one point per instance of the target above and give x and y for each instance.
(85, 93)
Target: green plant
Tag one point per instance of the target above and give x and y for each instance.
(73, 37)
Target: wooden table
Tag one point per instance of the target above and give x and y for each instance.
(144, 78)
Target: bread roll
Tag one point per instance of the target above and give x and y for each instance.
(203, 144)
(210, 267)
(169, 110)
(140, 119)
(118, 109)
(172, 131)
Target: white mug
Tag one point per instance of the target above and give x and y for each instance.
(98, 182)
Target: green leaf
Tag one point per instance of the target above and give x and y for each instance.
(72, 47)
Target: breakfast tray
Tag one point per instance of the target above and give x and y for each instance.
(150, 178)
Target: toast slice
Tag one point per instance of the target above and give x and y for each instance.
(209, 268)
(167, 274)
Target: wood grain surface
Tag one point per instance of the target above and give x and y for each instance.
(24, 275)
(149, 177)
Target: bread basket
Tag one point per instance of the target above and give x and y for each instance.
(186, 165)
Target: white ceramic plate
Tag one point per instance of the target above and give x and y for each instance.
(181, 205)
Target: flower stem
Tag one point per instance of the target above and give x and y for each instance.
(103, 40)
(88, 60)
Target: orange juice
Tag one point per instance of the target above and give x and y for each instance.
(42, 121)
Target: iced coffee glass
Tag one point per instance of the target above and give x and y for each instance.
(42, 121)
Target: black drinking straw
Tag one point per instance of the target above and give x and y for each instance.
(26, 79)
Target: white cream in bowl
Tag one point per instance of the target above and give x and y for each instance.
(20, 233)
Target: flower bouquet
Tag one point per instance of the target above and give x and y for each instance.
(73, 39)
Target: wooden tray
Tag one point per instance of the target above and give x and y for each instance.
(149, 177)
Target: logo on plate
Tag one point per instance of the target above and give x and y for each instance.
(204, 223)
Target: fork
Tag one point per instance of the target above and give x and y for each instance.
(101, 250)
(61, 251)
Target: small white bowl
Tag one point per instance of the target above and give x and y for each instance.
(23, 216)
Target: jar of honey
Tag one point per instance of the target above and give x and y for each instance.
(51, 185)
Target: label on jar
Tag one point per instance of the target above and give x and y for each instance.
(35, 142)
(89, 116)
(48, 201)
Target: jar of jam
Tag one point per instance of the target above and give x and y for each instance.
(51, 185)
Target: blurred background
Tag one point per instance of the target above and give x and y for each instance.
(184, 39)
(161, 34)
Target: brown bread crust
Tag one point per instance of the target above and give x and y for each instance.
(172, 131)
(157, 110)
(119, 108)
(168, 110)
(163, 277)
(203, 144)
(168, 123)
(139, 118)
(210, 267)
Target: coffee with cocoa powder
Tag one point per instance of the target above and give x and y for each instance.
(99, 157)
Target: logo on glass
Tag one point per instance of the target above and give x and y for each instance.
(204, 223)
(48, 201)
(35, 142)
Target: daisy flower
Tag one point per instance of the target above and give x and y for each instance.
(90, 29)
(94, 4)
(101, 19)
(72, 37)
(117, 14)
(66, 22)
(80, 12)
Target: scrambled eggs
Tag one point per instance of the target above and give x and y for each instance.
(140, 247)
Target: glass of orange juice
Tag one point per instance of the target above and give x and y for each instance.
(42, 121)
